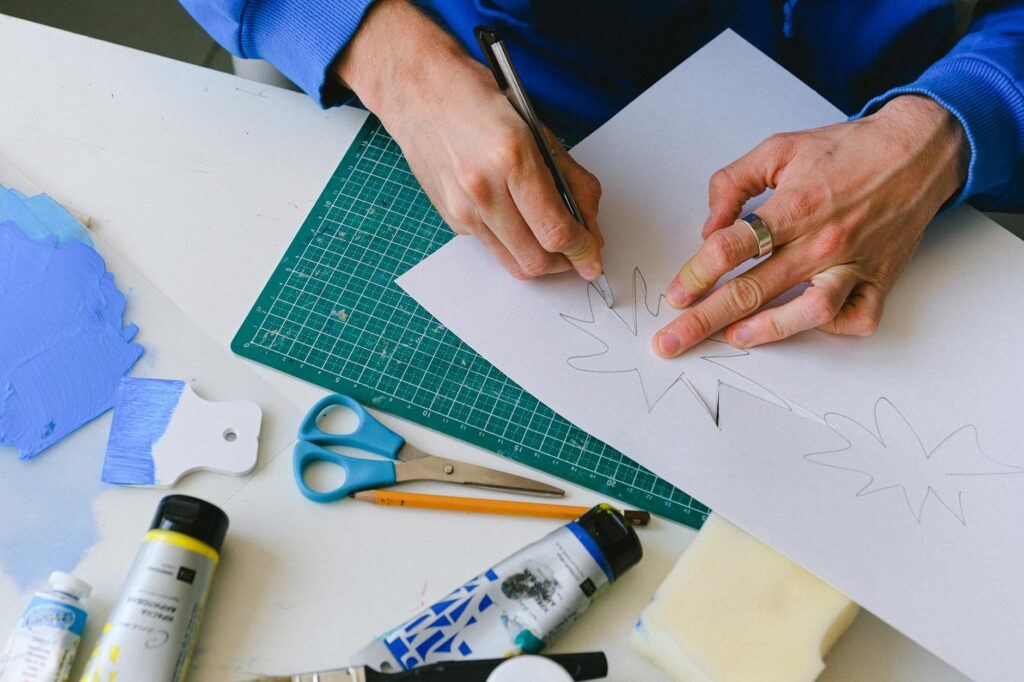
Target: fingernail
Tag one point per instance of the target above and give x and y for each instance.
(743, 335)
(668, 343)
(677, 296)
(589, 272)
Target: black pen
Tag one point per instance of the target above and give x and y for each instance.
(507, 77)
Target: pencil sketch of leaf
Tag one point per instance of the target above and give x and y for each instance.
(893, 458)
(623, 337)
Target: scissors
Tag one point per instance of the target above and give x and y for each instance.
(409, 463)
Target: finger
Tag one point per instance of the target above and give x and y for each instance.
(861, 313)
(537, 200)
(818, 305)
(746, 177)
(739, 298)
(585, 187)
(469, 223)
(504, 221)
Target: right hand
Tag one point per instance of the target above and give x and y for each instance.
(474, 156)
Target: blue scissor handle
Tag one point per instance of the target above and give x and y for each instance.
(370, 435)
(360, 474)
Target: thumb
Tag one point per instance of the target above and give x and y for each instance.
(746, 177)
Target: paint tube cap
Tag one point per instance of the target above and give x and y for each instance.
(614, 536)
(68, 584)
(193, 517)
(533, 668)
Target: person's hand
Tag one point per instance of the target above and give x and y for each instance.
(472, 153)
(850, 204)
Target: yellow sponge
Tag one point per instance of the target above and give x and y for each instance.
(735, 610)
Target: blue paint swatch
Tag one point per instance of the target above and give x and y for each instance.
(63, 344)
(40, 217)
(142, 410)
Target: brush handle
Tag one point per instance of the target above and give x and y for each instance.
(589, 666)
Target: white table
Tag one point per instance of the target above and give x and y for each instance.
(200, 180)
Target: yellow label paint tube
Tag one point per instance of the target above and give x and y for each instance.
(44, 644)
(153, 626)
(519, 605)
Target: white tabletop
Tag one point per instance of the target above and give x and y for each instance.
(200, 180)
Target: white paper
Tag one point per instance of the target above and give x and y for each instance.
(890, 466)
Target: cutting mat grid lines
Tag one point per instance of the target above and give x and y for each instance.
(333, 315)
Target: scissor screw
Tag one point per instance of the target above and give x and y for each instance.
(448, 468)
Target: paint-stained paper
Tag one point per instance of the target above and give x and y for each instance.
(890, 466)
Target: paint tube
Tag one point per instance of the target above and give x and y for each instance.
(153, 626)
(43, 647)
(519, 605)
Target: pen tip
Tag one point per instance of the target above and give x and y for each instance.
(606, 290)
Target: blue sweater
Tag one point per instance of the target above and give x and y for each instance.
(583, 60)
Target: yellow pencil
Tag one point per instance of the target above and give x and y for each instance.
(488, 506)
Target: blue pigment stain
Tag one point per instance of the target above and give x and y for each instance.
(63, 344)
(47, 522)
(142, 411)
(40, 217)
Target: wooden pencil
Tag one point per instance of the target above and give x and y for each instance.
(488, 506)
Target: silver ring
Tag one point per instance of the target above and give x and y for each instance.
(762, 235)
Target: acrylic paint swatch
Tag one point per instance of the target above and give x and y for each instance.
(63, 343)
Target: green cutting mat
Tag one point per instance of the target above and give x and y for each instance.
(333, 315)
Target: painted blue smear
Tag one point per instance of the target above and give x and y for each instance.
(142, 411)
(63, 345)
(46, 509)
(40, 217)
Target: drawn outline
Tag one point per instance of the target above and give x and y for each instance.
(880, 438)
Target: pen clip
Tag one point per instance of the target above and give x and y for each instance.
(487, 37)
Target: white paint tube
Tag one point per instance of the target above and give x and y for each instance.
(519, 605)
(43, 646)
(152, 629)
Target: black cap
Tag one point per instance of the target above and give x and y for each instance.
(614, 536)
(193, 517)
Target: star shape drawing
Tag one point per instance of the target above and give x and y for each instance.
(893, 459)
(623, 346)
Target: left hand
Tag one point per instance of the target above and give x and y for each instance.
(850, 204)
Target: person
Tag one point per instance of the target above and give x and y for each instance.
(935, 90)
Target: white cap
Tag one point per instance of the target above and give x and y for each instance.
(533, 668)
(69, 584)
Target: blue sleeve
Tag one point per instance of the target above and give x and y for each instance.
(301, 38)
(981, 82)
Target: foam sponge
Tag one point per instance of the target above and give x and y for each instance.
(735, 610)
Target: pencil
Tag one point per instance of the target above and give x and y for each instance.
(488, 506)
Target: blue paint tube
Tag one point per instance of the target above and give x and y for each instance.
(519, 605)
(43, 646)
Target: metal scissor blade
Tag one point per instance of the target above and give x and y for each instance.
(432, 468)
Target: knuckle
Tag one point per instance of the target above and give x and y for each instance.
(591, 185)
(464, 214)
(719, 251)
(834, 239)
(508, 151)
(535, 265)
(802, 207)
(744, 294)
(556, 237)
(821, 308)
(721, 180)
(695, 324)
(864, 323)
(776, 329)
(475, 183)
(777, 143)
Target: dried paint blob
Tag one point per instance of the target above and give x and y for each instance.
(63, 344)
